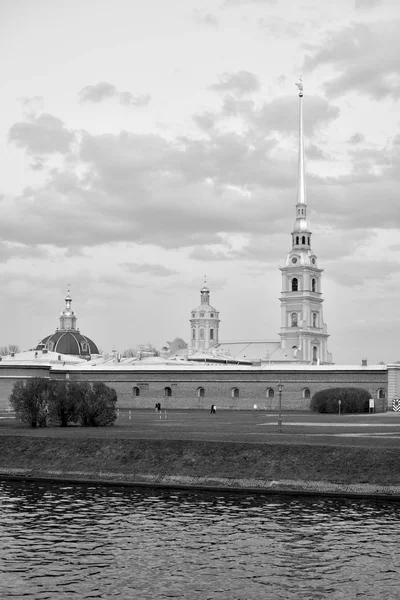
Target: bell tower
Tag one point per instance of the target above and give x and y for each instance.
(304, 334)
(204, 323)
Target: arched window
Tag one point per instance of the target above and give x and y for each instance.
(303, 239)
(314, 353)
(295, 284)
(136, 391)
(297, 239)
(167, 392)
(211, 334)
(193, 334)
(313, 285)
(200, 392)
(235, 392)
(308, 240)
(295, 350)
(314, 319)
(193, 315)
(202, 334)
(381, 394)
(294, 319)
(212, 315)
(270, 393)
(306, 393)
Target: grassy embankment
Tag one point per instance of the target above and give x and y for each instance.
(334, 464)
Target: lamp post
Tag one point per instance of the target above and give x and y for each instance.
(280, 388)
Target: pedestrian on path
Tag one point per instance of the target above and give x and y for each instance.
(213, 409)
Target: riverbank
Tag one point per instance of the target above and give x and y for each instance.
(236, 466)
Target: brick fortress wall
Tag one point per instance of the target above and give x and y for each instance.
(218, 386)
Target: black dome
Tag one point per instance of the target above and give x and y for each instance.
(69, 342)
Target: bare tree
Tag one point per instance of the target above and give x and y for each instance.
(7, 350)
(142, 348)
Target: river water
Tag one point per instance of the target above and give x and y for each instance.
(77, 542)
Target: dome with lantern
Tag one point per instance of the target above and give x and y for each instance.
(67, 338)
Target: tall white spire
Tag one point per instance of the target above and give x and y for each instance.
(301, 182)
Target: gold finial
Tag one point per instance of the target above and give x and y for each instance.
(299, 84)
(205, 279)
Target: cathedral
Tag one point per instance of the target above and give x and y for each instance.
(67, 339)
(303, 334)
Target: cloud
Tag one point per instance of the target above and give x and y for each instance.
(97, 93)
(11, 251)
(206, 19)
(40, 135)
(242, 82)
(228, 3)
(127, 99)
(190, 191)
(279, 115)
(150, 269)
(357, 138)
(353, 273)
(365, 58)
(104, 91)
(367, 3)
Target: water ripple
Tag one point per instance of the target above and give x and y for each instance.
(62, 541)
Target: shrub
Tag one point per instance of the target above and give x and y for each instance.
(30, 401)
(353, 400)
(63, 406)
(96, 407)
(40, 401)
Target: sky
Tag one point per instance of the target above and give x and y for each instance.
(144, 145)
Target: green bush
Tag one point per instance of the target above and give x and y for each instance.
(96, 407)
(353, 400)
(63, 407)
(41, 401)
(30, 401)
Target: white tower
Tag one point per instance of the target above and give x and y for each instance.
(204, 323)
(67, 316)
(303, 331)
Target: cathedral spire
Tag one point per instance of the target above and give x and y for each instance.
(301, 234)
(301, 183)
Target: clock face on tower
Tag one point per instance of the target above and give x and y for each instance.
(294, 260)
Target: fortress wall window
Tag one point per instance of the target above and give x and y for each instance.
(235, 392)
(306, 393)
(136, 391)
(167, 392)
(200, 392)
(270, 393)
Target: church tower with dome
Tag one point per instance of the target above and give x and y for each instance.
(67, 339)
(204, 324)
(304, 334)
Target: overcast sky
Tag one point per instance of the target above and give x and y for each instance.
(145, 144)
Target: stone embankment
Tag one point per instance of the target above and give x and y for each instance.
(263, 468)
